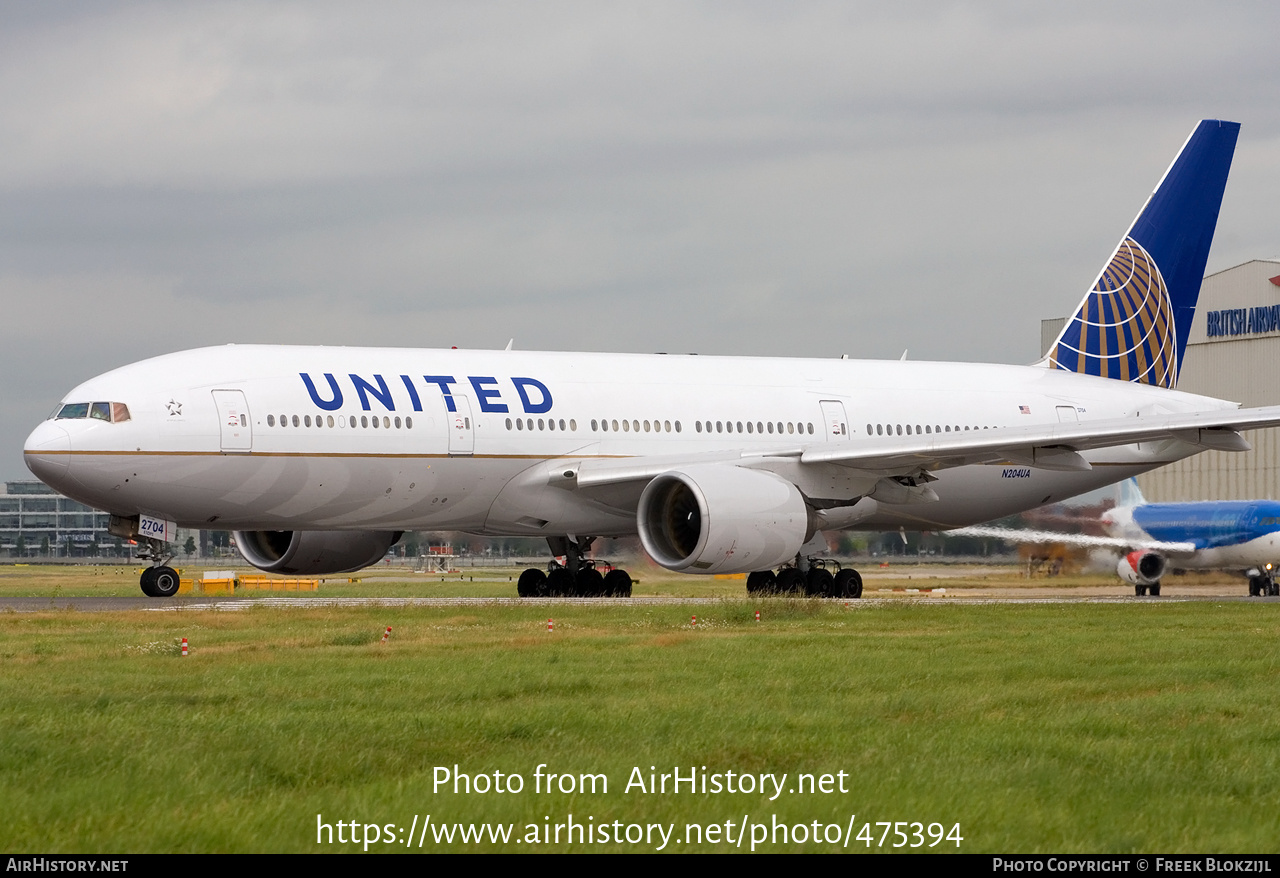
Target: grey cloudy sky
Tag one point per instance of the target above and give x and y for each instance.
(750, 178)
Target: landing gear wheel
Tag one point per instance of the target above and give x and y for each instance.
(532, 584)
(1256, 585)
(1272, 589)
(164, 582)
(761, 582)
(819, 582)
(148, 581)
(1154, 589)
(1140, 590)
(590, 583)
(848, 583)
(617, 584)
(560, 583)
(790, 580)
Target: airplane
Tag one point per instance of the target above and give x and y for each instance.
(1155, 538)
(319, 458)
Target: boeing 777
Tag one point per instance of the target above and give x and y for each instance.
(320, 457)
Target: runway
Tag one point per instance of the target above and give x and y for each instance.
(235, 604)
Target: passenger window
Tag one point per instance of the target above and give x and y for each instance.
(677, 426)
(244, 421)
(271, 420)
(330, 420)
(306, 420)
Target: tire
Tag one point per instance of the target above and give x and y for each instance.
(560, 583)
(790, 581)
(531, 583)
(848, 583)
(819, 583)
(1273, 589)
(149, 578)
(617, 584)
(1154, 589)
(1140, 590)
(1255, 586)
(165, 582)
(590, 583)
(761, 582)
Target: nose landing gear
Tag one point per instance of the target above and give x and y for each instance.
(160, 580)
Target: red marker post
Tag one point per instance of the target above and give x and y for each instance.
(550, 625)
(387, 634)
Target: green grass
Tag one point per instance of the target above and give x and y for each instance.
(1109, 728)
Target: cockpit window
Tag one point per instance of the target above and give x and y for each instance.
(114, 412)
(74, 410)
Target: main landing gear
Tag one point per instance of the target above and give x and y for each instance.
(160, 580)
(1152, 588)
(1263, 585)
(578, 577)
(813, 577)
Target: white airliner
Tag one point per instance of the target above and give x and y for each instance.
(320, 457)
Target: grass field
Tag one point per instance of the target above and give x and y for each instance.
(1060, 727)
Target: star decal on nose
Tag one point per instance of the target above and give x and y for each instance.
(175, 407)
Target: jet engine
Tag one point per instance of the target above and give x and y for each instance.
(314, 552)
(720, 518)
(1141, 568)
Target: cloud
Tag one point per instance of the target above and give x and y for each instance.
(728, 178)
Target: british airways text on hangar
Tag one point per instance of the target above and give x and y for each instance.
(535, 397)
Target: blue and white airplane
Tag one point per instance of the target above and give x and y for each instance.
(320, 457)
(1241, 536)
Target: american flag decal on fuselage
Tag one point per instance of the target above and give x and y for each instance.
(1124, 328)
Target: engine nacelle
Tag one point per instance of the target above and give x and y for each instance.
(1141, 568)
(720, 518)
(314, 552)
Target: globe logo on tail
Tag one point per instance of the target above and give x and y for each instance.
(1124, 328)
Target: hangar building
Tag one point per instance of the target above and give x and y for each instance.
(1233, 353)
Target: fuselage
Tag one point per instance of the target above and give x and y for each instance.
(278, 438)
(1226, 534)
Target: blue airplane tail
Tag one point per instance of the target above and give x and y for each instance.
(1133, 324)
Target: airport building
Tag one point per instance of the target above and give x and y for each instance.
(1233, 353)
(36, 520)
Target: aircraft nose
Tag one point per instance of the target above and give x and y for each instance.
(48, 453)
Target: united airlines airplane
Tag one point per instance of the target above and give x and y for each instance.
(320, 457)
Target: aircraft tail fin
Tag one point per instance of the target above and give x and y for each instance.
(1133, 324)
(1129, 494)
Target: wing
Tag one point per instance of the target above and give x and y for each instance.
(1016, 535)
(1045, 446)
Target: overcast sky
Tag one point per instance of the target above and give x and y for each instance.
(791, 179)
